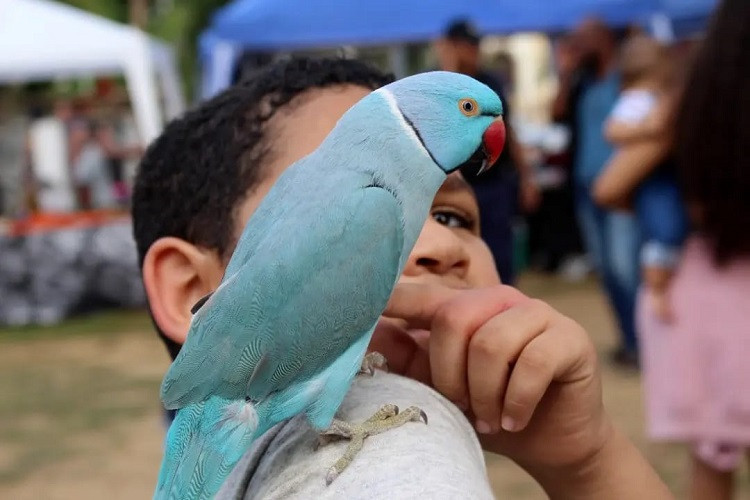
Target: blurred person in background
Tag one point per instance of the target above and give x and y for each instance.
(611, 237)
(97, 152)
(126, 150)
(498, 190)
(640, 127)
(50, 149)
(570, 76)
(554, 235)
(505, 71)
(118, 137)
(696, 367)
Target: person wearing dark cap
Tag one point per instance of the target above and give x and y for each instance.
(498, 190)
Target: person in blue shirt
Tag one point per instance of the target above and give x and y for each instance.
(640, 120)
(499, 190)
(612, 238)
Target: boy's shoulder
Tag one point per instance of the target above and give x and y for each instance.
(440, 460)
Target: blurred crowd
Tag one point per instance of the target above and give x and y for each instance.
(66, 164)
(617, 96)
(602, 197)
(566, 208)
(655, 193)
(67, 153)
(605, 197)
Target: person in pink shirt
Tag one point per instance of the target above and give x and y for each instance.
(697, 365)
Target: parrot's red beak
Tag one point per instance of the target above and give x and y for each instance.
(493, 141)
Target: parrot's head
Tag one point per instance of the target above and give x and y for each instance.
(458, 119)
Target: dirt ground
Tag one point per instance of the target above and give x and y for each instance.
(79, 414)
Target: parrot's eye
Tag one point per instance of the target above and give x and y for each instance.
(468, 106)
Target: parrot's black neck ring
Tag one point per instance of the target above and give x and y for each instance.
(419, 136)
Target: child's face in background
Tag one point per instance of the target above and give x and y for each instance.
(449, 250)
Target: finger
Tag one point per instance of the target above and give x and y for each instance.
(493, 347)
(453, 325)
(417, 303)
(547, 357)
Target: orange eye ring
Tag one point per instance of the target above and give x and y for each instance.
(468, 106)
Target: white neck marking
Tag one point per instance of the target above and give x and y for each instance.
(396, 112)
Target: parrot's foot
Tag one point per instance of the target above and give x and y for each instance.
(386, 418)
(371, 361)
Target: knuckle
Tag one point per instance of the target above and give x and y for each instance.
(579, 338)
(447, 319)
(486, 347)
(534, 360)
(589, 349)
(572, 325)
(538, 306)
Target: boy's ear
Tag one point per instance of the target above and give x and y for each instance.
(177, 274)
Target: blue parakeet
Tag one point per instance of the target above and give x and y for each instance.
(287, 329)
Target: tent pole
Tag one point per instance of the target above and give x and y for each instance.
(139, 72)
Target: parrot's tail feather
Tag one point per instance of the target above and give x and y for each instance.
(204, 443)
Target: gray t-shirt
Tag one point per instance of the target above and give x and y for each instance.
(441, 460)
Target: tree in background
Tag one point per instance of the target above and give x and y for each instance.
(181, 22)
(112, 9)
(178, 22)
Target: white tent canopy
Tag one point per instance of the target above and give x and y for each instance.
(45, 40)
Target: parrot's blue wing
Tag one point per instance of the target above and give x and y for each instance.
(296, 305)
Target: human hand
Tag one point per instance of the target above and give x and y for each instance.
(659, 304)
(509, 361)
(656, 281)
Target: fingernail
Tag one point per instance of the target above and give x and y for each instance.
(483, 427)
(508, 424)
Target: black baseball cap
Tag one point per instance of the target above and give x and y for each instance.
(463, 30)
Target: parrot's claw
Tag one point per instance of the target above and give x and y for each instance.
(386, 418)
(324, 439)
(371, 361)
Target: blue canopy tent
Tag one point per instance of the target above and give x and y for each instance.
(687, 16)
(300, 24)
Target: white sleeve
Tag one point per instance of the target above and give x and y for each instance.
(440, 460)
(633, 107)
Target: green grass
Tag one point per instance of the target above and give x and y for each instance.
(50, 404)
(96, 324)
(46, 408)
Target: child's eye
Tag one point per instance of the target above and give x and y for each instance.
(453, 219)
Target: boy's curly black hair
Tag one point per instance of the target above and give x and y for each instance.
(198, 171)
